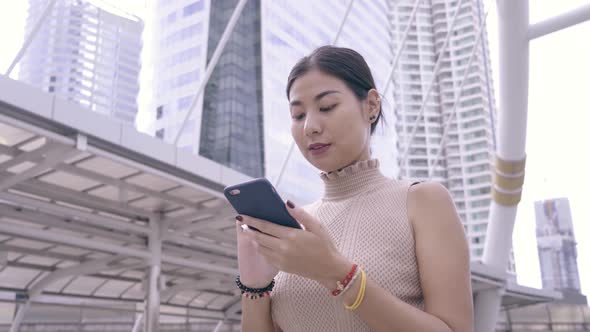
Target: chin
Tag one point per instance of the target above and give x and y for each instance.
(325, 165)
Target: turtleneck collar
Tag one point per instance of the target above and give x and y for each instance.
(352, 180)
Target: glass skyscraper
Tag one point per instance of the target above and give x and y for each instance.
(232, 108)
(87, 54)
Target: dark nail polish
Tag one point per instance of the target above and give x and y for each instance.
(239, 218)
(290, 204)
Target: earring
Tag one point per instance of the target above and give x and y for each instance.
(372, 118)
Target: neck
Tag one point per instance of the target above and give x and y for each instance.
(352, 180)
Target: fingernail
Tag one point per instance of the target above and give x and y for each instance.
(290, 204)
(239, 218)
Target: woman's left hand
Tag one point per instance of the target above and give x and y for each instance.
(309, 253)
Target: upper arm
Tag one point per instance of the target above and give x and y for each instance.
(443, 255)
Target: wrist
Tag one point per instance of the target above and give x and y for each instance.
(253, 283)
(338, 272)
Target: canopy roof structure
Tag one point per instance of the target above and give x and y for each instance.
(82, 196)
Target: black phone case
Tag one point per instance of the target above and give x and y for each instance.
(258, 198)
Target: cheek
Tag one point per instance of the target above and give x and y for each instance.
(351, 127)
(297, 133)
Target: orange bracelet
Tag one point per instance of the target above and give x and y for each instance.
(342, 285)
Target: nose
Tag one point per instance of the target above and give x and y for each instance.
(313, 124)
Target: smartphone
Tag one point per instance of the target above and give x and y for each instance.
(259, 199)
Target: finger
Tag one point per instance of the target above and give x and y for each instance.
(270, 255)
(307, 220)
(265, 226)
(267, 241)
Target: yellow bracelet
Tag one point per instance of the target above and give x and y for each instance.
(361, 294)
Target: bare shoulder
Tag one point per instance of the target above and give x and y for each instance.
(428, 201)
(442, 253)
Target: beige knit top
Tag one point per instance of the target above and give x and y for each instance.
(365, 214)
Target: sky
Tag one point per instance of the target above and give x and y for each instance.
(558, 129)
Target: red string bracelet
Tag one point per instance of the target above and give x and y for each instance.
(341, 285)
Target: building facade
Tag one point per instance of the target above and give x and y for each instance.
(465, 133)
(86, 53)
(557, 245)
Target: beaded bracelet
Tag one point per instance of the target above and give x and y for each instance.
(347, 287)
(342, 285)
(258, 291)
(254, 296)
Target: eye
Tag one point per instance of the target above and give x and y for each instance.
(298, 117)
(329, 108)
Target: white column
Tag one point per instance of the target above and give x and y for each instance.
(513, 23)
(152, 303)
(488, 301)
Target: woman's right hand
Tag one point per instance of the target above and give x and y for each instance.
(255, 270)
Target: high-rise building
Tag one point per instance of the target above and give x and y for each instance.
(557, 245)
(464, 164)
(86, 53)
(242, 119)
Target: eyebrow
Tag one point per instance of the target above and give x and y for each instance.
(316, 98)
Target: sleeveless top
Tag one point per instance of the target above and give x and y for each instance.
(365, 214)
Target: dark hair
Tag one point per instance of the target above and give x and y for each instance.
(343, 63)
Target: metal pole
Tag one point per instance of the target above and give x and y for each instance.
(344, 18)
(401, 47)
(73, 241)
(431, 85)
(211, 66)
(31, 36)
(218, 326)
(434, 163)
(292, 146)
(513, 27)
(152, 309)
(137, 324)
(560, 22)
(111, 248)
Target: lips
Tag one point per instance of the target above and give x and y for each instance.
(317, 146)
(318, 149)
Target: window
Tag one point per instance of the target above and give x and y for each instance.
(193, 8)
(184, 102)
(183, 56)
(160, 112)
(191, 31)
(171, 18)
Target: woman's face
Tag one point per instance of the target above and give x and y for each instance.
(329, 124)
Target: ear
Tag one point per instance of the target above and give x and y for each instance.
(374, 105)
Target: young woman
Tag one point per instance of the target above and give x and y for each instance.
(375, 254)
